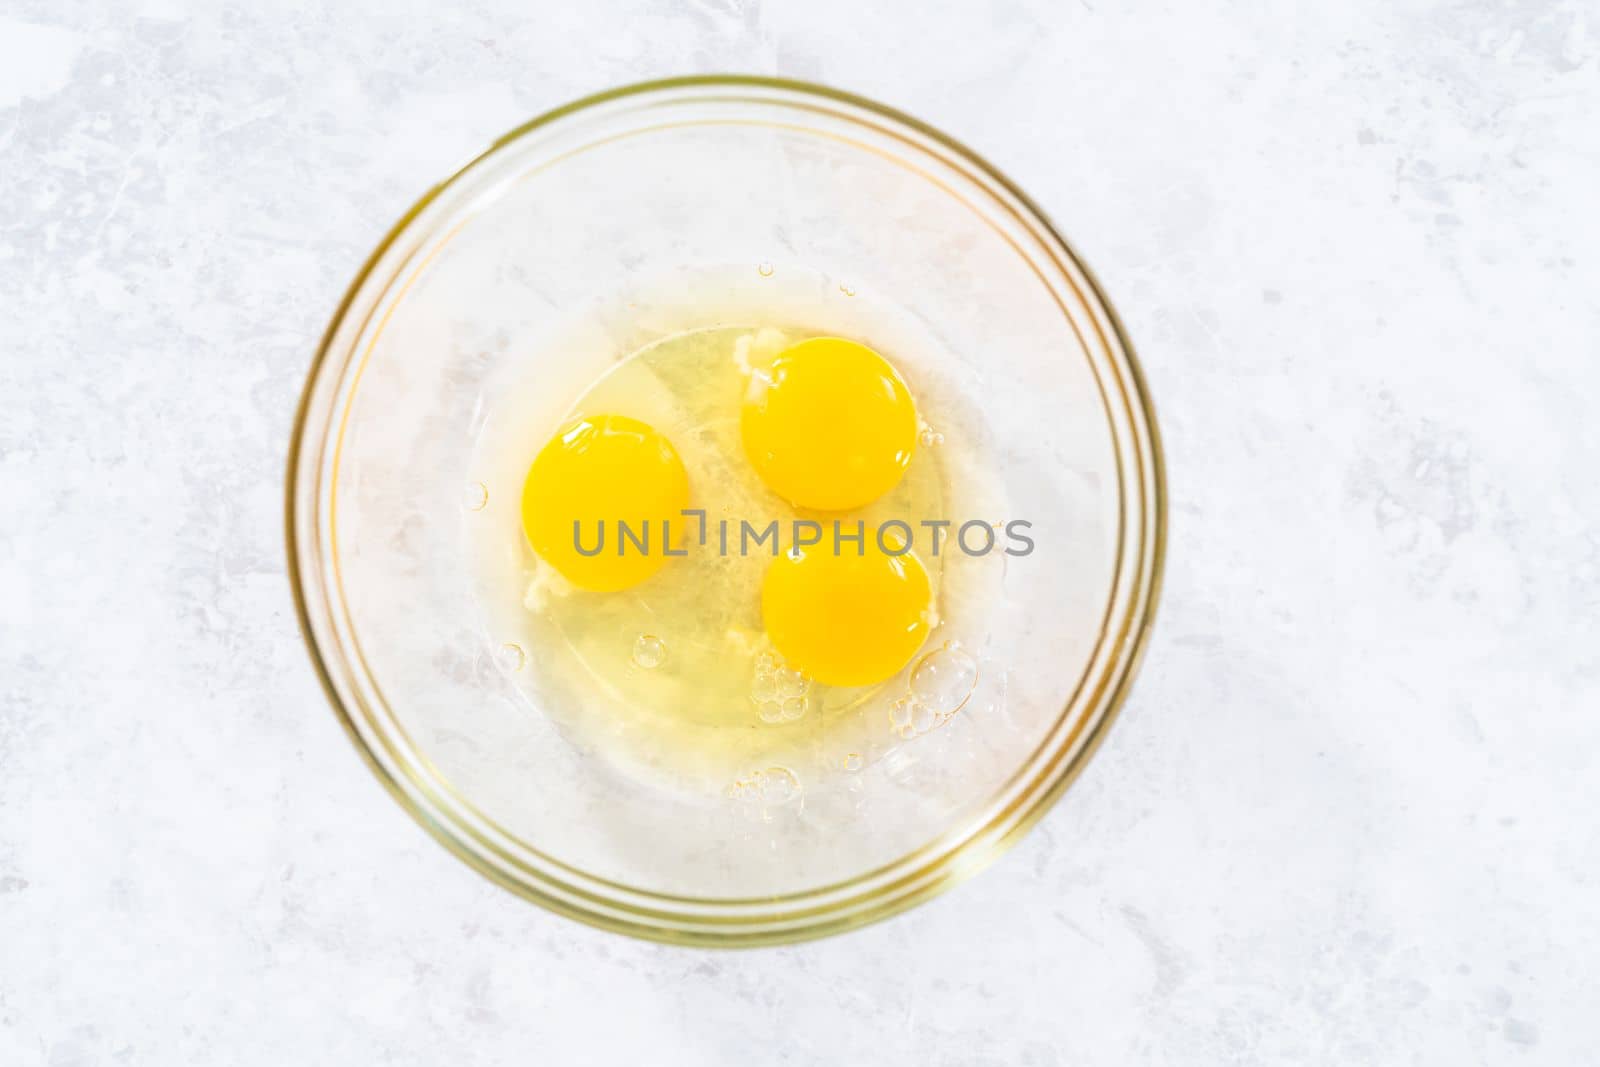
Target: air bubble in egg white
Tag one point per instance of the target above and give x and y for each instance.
(780, 693)
(943, 680)
(765, 790)
(649, 651)
(900, 713)
(778, 785)
(793, 683)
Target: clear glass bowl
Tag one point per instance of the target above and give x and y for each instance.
(622, 193)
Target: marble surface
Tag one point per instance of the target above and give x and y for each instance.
(1349, 813)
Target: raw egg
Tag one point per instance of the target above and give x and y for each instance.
(598, 474)
(844, 618)
(830, 425)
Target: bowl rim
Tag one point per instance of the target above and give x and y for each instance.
(979, 848)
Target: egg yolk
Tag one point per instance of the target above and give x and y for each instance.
(846, 619)
(830, 426)
(603, 473)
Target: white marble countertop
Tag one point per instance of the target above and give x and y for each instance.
(1349, 813)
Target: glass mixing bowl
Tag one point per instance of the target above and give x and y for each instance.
(621, 194)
